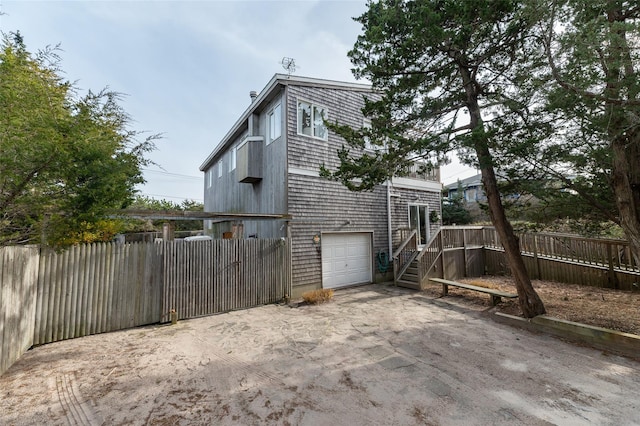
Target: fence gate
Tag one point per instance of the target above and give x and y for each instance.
(210, 277)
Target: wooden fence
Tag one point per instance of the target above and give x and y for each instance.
(46, 296)
(18, 279)
(547, 256)
(208, 277)
(96, 288)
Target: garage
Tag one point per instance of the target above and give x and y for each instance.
(346, 259)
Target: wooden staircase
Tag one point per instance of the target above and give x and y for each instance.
(413, 267)
(409, 279)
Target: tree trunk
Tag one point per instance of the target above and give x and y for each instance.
(530, 302)
(625, 182)
(623, 133)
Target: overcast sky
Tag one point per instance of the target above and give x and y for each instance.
(187, 67)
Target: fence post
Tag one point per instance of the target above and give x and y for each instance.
(535, 256)
(613, 282)
(464, 252)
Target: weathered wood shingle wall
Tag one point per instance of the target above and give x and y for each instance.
(318, 205)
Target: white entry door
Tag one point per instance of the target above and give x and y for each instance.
(346, 259)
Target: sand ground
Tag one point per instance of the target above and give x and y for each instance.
(375, 355)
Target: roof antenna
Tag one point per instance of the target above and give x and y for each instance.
(289, 64)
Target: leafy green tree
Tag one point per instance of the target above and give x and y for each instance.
(64, 159)
(453, 209)
(587, 169)
(448, 74)
(593, 55)
(153, 204)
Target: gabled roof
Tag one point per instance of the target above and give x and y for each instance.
(270, 90)
(475, 180)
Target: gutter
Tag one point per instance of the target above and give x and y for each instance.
(389, 232)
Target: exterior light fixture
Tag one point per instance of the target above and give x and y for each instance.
(316, 242)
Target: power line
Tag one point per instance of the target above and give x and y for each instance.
(173, 174)
(171, 196)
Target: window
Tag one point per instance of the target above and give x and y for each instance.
(220, 168)
(419, 220)
(209, 177)
(311, 120)
(232, 163)
(274, 124)
(366, 124)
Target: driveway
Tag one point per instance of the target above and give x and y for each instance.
(376, 355)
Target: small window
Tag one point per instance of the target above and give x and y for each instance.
(419, 220)
(232, 163)
(311, 120)
(209, 178)
(220, 168)
(366, 124)
(274, 123)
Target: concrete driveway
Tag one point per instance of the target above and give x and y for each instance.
(376, 355)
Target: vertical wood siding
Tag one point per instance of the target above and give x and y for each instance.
(18, 278)
(209, 277)
(47, 296)
(96, 288)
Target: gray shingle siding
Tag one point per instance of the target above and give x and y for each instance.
(343, 106)
(291, 185)
(320, 206)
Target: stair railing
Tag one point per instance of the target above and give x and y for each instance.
(428, 256)
(404, 255)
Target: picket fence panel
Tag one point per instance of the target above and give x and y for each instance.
(18, 279)
(48, 296)
(209, 277)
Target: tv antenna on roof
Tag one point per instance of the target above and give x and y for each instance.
(289, 64)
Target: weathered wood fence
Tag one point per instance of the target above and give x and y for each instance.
(18, 281)
(472, 251)
(46, 296)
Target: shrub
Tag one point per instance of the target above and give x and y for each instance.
(316, 297)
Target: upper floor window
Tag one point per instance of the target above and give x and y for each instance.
(209, 177)
(366, 124)
(220, 168)
(232, 163)
(311, 120)
(274, 124)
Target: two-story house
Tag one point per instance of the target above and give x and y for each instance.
(472, 190)
(269, 162)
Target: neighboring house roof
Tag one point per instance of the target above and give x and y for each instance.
(465, 183)
(266, 95)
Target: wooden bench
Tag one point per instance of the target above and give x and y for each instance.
(495, 295)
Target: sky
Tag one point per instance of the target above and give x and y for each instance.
(186, 67)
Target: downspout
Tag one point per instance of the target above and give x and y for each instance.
(389, 233)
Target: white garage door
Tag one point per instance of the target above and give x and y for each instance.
(346, 259)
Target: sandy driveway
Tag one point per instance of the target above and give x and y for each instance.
(376, 355)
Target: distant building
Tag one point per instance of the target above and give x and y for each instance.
(472, 189)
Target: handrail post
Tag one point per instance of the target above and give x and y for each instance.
(464, 252)
(441, 255)
(535, 256)
(613, 282)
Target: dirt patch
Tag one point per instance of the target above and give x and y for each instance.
(601, 307)
(376, 354)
